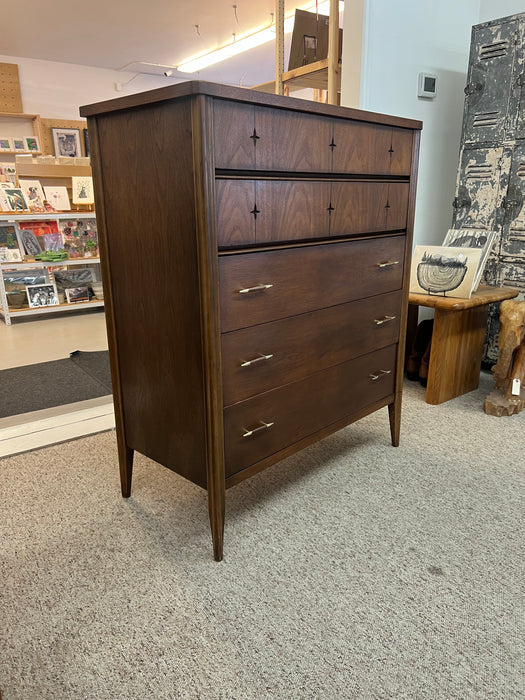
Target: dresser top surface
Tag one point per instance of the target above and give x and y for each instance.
(246, 95)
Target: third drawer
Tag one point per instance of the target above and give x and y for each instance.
(259, 358)
(268, 285)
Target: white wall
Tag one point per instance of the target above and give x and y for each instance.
(57, 90)
(494, 9)
(401, 39)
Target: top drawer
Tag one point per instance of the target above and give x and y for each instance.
(267, 285)
(248, 137)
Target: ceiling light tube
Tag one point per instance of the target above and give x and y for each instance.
(193, 65)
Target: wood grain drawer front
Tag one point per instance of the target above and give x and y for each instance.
(262, 357)
(262, 426)
(265, 211)
(234, 140)
(268, 285)
(363, 207)
(371, 149)
(235, 205)
(292, 141)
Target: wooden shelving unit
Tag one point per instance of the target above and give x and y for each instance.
(28, 264)
(322, 76)
(34, 119)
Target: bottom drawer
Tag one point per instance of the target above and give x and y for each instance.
(265, 424)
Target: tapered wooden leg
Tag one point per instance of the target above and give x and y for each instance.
(216, 509)
(125, 458)
(394, 416)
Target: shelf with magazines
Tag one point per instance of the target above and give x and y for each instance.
(49, 263)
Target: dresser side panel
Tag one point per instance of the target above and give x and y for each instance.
(146, 165)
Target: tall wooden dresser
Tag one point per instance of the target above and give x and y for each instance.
(255, 253)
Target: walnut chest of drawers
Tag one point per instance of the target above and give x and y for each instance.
(255, 252)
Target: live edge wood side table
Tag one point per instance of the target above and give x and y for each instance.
(457, 339)
(255, 253)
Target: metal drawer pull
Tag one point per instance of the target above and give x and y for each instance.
(247, 363)
(263, 426)
(388, 263)
(385, 319)
(378, 375)
(258, 288)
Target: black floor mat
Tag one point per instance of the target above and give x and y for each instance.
(84, 375)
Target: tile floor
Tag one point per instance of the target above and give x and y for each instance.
(40, 339)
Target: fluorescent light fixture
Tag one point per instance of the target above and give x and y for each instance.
(245, 43)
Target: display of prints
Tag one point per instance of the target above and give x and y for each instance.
(6, 143)
(9, 170)
(9, 248)
(67, 142)
(14, 197)
(74, 295)
(472, 238)
(32, 144)
(444, 271)
(69, 278)
(79, 237)
(34, 195)
(58, 198)
(83, 190)
(19, 145)
(30, 242)
(42, 295)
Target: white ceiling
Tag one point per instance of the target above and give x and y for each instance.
(115, 33)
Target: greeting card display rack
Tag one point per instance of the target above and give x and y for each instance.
(47, 268)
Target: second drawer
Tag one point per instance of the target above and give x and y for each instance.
(262, 357)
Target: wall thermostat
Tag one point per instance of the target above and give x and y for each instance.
(427, 85)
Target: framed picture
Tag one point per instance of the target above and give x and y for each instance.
(74, 295)
(32, 144)
(42, 295)
(6, 144)
(86, 142)
(66, 142)
(19, 145)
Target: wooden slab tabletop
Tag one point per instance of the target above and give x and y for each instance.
(483, 295)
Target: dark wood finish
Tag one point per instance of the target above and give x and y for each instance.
(154, 307)
(234, 143)
(235, 201)
(206, 240)
(304, 344)
(235, 189)
(304, 407)
(292, 141)
(358, 207)
(292, 210)
(457, 340)
(241, 95)
(306, 278)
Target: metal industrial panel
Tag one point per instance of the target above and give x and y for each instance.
(491, 97)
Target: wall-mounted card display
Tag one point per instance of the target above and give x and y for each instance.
(58, 198)
(34, 195)
(42, 295)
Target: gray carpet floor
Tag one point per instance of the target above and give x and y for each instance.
(352, 569)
